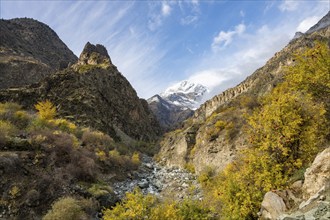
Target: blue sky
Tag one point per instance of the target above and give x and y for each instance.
(158, 43)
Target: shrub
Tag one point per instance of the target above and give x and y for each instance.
(220, 125)
(64, 125)
(99, 189)
(7, 129)
(190, 167)
(7, 109)
(134, 206)
(96, 139)
(46, 110)
(66, 208)
(14, 192)
(101, 155)
(206, 175)
(136, 159)
(21, 119)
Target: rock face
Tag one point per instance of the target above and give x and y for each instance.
(29, 51)
(216, 131)
(318, 175)
(93, 93)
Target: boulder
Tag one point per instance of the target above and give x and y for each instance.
(272, 206)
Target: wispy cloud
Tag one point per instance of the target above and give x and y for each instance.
(158, 12)
(190, 19)
(288, 5)
(223, 39)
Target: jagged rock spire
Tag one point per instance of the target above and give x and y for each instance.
(94, 55)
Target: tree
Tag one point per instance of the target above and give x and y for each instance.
(46, 110)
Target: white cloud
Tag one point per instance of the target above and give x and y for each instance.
(288, 5)
(157, 14)
(194, 2)
(230, 68)
(209, 78)
(166, 9)
(223, 39)
(190, 19)
(307, 23)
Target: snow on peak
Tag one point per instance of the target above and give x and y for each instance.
(185, 94)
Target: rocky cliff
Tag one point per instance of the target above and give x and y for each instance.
(216, 131)
(92, 92)
(29, 51)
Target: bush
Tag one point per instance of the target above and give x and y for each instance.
(66, 208)
(7, 129)
(21, 119)
(205, 177)
(134, 206)
(136, 159)
(190, 167)
(96, 139)
(137, 206)
(64, 125)
(99, 189)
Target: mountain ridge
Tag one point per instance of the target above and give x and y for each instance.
(29, 51)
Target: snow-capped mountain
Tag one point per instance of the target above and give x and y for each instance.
(185, 94)
(177, 103)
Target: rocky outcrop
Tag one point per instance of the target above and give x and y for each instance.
(217, 145)
(308, 201)
(30, 51)
(318, 175)
(93, 93)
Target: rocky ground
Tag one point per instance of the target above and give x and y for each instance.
(165, 182)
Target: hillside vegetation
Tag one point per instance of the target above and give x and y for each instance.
(286, 130)
(44, 159)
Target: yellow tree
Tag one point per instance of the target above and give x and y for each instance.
(46, 110)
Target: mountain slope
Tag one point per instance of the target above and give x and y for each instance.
(29, 51)
(93, 93)
(216, 132)
(168, 114)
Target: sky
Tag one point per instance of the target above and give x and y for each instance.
(156, 44)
